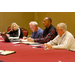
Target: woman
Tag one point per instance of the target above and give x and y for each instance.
(15, 31)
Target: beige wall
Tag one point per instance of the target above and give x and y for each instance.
(23, 19)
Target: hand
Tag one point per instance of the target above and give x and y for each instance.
(7, 35)
(47, 46)
(30, 40)
(24, 37)
(3, 32)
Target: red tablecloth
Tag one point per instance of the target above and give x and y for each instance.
(25, 53)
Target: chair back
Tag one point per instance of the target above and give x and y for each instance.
(25, 32)
(9, 28)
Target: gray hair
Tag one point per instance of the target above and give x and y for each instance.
(62, 26)
(33, 23)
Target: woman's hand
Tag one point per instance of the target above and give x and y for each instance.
(7, 35)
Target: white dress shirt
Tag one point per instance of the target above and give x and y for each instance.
(66, 41)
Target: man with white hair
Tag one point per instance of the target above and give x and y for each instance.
(64, 39)
(37, 31)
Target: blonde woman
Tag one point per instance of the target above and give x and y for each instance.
(15, 31)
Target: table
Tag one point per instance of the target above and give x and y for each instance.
(26, 53)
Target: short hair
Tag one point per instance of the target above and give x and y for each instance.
(14, 24)
(62, 26)
(49, 19)
(33, 23)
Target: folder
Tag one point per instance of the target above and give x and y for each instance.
(6, 52)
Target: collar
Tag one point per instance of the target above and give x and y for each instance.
(37, 29)
(64, 34)
(49, 26)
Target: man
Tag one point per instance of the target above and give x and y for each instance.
(37, 31)
(48, 34)
(64, 39)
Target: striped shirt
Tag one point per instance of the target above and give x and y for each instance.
(48, 34)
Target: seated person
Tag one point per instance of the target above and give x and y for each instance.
(48, 34)
(64, 39)
(37, 31)
(15, 31)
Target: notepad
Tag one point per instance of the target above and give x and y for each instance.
(23, 40)
(6, 52)
(28, 43)
(31, 43)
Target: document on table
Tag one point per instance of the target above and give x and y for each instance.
(15, 42)
(31, 43)
(23, 40)
(28, 43)
(6, 52)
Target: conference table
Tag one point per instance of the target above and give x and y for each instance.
(26, 53)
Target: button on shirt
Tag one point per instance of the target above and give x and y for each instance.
(66, 41)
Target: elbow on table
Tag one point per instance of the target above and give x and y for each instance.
(66, 47)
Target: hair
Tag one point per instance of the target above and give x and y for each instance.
(62, 26)
(33, 23)
(14, 24)
(49, 19)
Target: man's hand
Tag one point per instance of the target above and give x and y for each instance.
(47, 46)
(30, 40)
(24, 38)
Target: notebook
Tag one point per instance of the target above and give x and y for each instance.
(6, 52)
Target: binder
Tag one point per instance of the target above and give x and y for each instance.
(6, 52)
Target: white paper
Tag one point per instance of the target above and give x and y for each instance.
(23, 40)
(15, 42)
(0, 36)
(13, 37)
(1, 50)
(36, 45)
